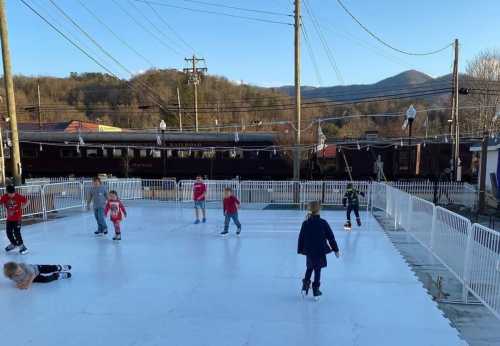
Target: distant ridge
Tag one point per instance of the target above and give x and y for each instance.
(407, 81)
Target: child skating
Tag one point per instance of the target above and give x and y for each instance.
(351, 201)
(25, 274)
(316, 240)
(14, 203)
(230, 206)
(116, 209)
(98, 197)
(199, 194)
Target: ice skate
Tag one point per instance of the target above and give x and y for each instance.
(10, 247)
(64, 268)
(64, 275)
(238, 232)
(105, 231)
(98, 233)
(117, 237)
(358, 221)
(306, 285)
(316, 292)
(197, 222)
(347, 226)
(224, 233)
(204, 220)
(23, 250)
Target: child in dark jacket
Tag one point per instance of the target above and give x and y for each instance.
(316, 240)
(351, 201)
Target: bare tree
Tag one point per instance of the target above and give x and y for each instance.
(483, 77)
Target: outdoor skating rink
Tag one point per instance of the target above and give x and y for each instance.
(170, 282)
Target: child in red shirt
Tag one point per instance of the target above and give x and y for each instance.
(117, 211)
(199, 193)
(14, 203)
(231, 205)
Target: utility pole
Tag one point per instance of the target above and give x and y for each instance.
(9, 88)
(39, 111)
(482, 171)
(194, 78)
(297, 154)
(179, 108)
(457, 165)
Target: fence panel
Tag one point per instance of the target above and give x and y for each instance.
(271, 192)
(379, 196)
(483, 277)
(126, 189)
(159, 189)
(451, 234)
(215, 189)
(421, 220)
(332, 192)
(61, 196)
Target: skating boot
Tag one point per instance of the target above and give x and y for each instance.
(117, 237)
(64, 275)
(10, 247)
(316, 292)
(23, 250)
(238, 232)
(306, 285)
(347, 226)
(358, 221)
(64, 268)
(224, 233)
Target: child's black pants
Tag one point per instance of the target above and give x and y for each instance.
(351, 208)
(14, 232)
(317, 275)
(53, 270)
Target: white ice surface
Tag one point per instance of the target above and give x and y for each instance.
(170, 282)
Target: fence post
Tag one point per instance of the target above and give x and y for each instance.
(44, 205)
(467, 264)
(82, 194)
(433, 227)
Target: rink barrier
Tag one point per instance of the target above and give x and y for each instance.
(471, 252)
(332, 192)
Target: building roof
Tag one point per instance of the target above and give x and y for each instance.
(68, 126)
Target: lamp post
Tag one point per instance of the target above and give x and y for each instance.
(411, 113)
(163, 127)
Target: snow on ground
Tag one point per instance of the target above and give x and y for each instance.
(170, 282)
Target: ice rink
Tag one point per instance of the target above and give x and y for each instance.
(170, 282)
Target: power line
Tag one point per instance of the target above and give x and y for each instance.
(216, 13)
(214, 4)
(124, 42)
(73, 43)
(384, 42)
(324, 42)
(162, 19)
(153, 25)
(143, 27)
(311, 53)
(101, 48)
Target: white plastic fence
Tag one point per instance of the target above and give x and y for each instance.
(270, 192)
(332, 192)
(159, 190)
(62, 196)
(470, 251)
(215, 189)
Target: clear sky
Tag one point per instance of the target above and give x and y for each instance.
(256, 52)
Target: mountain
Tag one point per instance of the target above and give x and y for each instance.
(411, 82)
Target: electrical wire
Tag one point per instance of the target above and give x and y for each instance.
(112, 32)
(216, 13)
(380, 40)
(324, 42)
(179, 37)
(146, 29)
(311, 54)
(73, 43)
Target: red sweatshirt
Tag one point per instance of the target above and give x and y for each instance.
(231, 204)
(117, 210)
(14, 206)
(199, 189)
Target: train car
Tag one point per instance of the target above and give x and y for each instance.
(153, 155)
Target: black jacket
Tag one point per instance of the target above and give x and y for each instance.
(316, 240)
(351, 198)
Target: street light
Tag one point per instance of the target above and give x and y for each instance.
(411, 113)
(163, 127)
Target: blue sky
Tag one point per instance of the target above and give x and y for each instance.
(255, 52)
